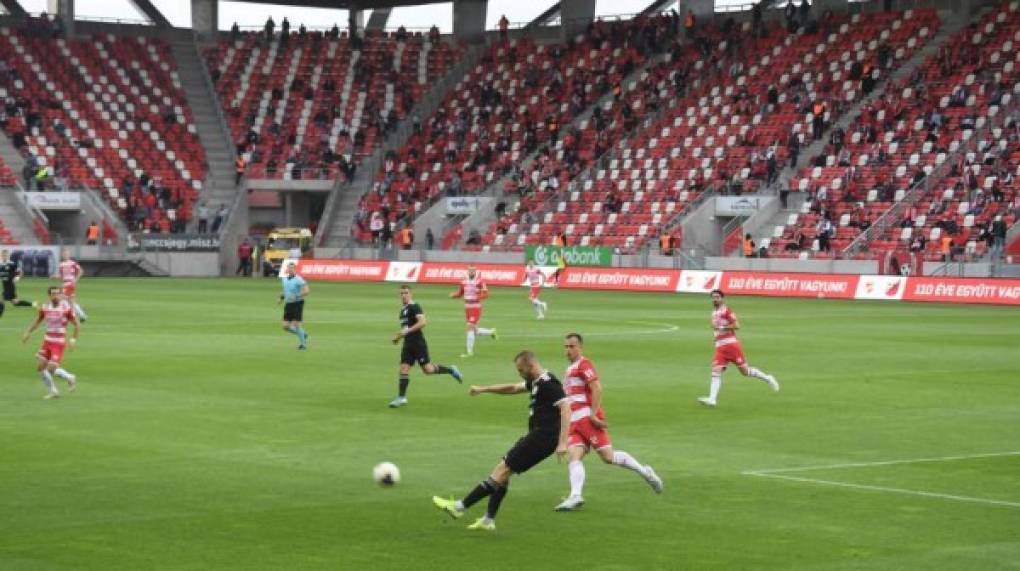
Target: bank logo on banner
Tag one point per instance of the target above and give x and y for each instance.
(406, 272)
(543, 257)
(698, 281)
(881, 287)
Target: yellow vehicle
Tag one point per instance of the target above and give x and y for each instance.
(283, 243)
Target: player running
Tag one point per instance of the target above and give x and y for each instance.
(473, 290)
(10, 273)
(548, 425)
(588, 429)
(536, 279)
(415, 349)
(295, 290)
(57, 313)
(70, 272)
(728, 350)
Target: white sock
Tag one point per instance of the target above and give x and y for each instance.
(79, 311)
(484, 332)
(537, 305)
(624, 460)
(545, 306)
(470, 342)
(63, 374)
(757, 373)
(47, 380)
(713, 388)
(459, 505)
(576, 470)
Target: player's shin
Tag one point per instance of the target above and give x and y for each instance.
(23, 303)
(480, 492)
(47, 380)
(402, 383)
(577, 475)
(63, 374)
(713, 387)
(470, 342)
(624, 460)
(757, 373)
(484, 332)
(495, 499)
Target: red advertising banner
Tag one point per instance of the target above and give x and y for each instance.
(963, 290)
(627, 279)
(343, 270)
(834, 286)
(453, 273)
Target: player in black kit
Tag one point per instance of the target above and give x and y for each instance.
(415, 349)
(10, 272)
(548, 427)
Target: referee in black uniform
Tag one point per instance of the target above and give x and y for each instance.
(10, 272)
(415, 349)
(548, 427)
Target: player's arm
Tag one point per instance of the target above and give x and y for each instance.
(419, 323)
(596, 403)
(734, 324)
(74, 336)
(458, 293)
(561, 446)
(506, 389)
(304, 291)
(32, 328)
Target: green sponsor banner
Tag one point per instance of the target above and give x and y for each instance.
(574, 255)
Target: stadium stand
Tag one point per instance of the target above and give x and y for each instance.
(720, 135)
(312, 105)
(522, 97)
(932, 158)
(105, 113)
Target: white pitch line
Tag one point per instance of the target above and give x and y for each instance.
(881, 463)
(921, 493)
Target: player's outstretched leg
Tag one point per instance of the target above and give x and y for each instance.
(452, 370)
(72, 381)
(756, 373)
(469, 344)
(82, 316)
(24, 303)
(51, 387)
(625, 460)
(402, 382)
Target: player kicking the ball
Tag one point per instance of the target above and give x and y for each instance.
(473, 290)
(728, 350)
(588, 429)
(548, 424)
(57, 313)
(415, 348)
(536, 279)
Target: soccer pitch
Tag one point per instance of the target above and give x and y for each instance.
(200, 438)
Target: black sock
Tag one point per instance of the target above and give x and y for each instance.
(403, 382)
(481, 490)
(2, 306)
(495, 499)
(23, 303)
(442, 370)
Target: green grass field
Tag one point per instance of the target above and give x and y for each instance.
(201, 439)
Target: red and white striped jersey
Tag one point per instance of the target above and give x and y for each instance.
(723, 317)
(577, 382)
(471, 291)
(535, 277)
(70, 271)
(56, 319)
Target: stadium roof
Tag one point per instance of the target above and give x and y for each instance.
(348, 4)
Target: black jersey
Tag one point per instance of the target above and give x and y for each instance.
(408, 317)
(546, 394)
(8, 272)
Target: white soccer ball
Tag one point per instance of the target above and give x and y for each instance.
(386, 474)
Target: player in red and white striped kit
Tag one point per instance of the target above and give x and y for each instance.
(536, 279)
(57, 313)
(473, 290)
(70, 272)
(728, 350)
(588, 429)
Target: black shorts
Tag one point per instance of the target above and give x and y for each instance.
(294, 311)
(9, 293)
(534, 447)
(414, 352)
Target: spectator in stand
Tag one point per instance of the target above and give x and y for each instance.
(748, 246)
(430, 239)
(504, 26)
(818, 119)
(92, 234)
(239, 166)
(386, 235)
(375, 226)
(244, 252)
(406, 237)
(268, 29)
(202, 212)
(235, 33)
(221, 216)
(690, 26)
